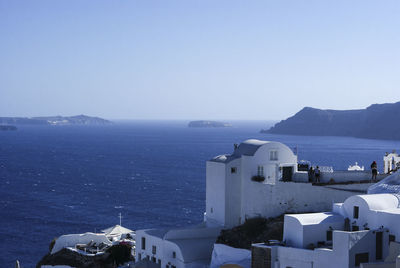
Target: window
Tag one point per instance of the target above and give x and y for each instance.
(143, 243)
(379, 243)
(260, 171)
(140, 256)
(174, 254)
(355, 228)
(392, 238)
(329, 235)
(154, 250)
(212, 210)
(153, 259)
(159, 261)
(361, 258)
(233, 170)
(355, 212)
(273, 155)
(173, 266)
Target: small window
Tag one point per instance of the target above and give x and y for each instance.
(153, 259)
(361, 258)
(355, 212)
(392, 238)
(260, 171)
(174, 254)
(173, 266)
(154, 250)
(329, 235)
(273, 155)
(166, 266)
(212, 210)
(140, 256)
(233, 170)
(378, 247)
(159, 261)
(148, 257)
(355, 228)
(143, 243)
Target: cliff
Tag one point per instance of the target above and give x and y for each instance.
(54, 120)
(254, 230)
(378, 121)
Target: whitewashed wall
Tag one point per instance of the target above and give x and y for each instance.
(233, 190)
(273, 200)
(215, 192)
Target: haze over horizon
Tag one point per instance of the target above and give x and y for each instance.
(214, 60)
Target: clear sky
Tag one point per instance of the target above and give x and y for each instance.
(196, 59)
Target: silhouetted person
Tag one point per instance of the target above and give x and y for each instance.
(311, 175)
(374, 170)
(317, 173)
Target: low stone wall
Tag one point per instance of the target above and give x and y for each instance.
(338, 176)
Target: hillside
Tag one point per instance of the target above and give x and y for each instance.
(378, 121)
(254, 230)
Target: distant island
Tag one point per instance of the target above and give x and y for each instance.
(54, 120)
(7, 127)
(378, 121)
(205, 123)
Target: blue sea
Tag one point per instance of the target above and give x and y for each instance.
(58, 180)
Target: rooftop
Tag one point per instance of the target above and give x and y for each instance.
(378, 201)
(248, 147)
(316, 218)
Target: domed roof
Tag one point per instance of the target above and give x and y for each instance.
(249, 147)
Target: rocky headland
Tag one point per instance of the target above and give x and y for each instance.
(378, 121)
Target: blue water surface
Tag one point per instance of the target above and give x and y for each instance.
(58, 180)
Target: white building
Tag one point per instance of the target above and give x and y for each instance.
(260, 178)
(177, 248)
(361, 232)
(391, 162)
(355, 167)
(234, 190)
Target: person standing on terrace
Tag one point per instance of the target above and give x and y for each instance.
(374, 170)
(317, 174)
